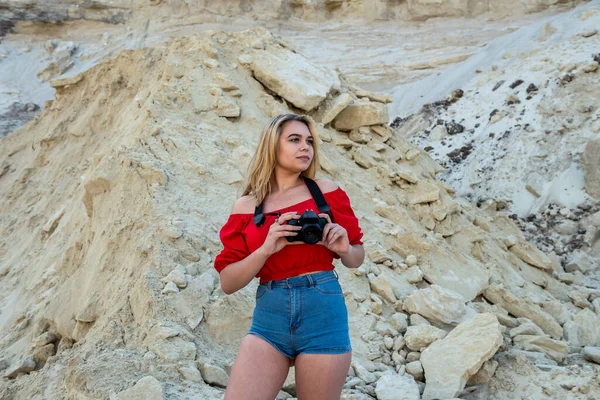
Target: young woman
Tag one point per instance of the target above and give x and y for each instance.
(300, 316)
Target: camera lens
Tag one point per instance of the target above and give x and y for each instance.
(312, 234)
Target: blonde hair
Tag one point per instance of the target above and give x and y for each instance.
(262, 165)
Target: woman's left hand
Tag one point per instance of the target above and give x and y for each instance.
(335, 237)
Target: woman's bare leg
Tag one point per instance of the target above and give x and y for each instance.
(258, 372)
(321, 376)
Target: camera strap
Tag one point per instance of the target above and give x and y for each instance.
(317, 195)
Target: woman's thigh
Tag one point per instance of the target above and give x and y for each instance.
(321, 376)
(258, 372)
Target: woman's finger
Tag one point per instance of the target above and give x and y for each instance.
(326, 216)
(283, 218)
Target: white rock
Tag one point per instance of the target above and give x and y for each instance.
(437, 304)
(397, 387)
(554, 349)
(450, 362)
(177, 277)
(400, 322)
(415, 369)
(213, 375)
(190, 373)
(592, 354)
(170, 287)
(411, 260)
(420, 336)
(413, 274)
(293, 77)
(584, 329)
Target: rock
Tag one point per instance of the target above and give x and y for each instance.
(190, 373)
(591, 168)
(579, 261)
(557, 310)
(376, 97)
(170, 287)
(591, 67)
(397, 387)
(213, 375)
(497, 294)
(400, 322)
(413, 274)
(363, 373)
(147, 388)
(588, 33)
(44, 339)
(416, 319)
(485, 373)
(177, 277)
(334, 107)
(381, 286)
(413, 356)
(450, 362)
(22, 367)
(438, 305)
(554, 349)
(41, 354)
(411, 260)
(438, 133)
(527, 328)
(421, 336)
(416, 370)
(592, 354)
(531, 255)
(411, 154)
(378, 255)
(293, 77)
(426, 196)
(583, 329)
(361, 114)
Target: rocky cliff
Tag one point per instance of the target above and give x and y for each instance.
(112, 198)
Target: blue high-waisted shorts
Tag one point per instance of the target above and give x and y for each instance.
(303, 314)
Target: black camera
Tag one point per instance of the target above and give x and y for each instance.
(312, 228)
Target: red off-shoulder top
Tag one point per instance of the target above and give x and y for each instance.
(241, 237)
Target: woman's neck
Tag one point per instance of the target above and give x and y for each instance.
(283, 182)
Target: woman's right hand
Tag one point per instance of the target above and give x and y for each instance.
(278, 231)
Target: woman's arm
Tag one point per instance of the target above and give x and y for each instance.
(354, 257)
(237, 275)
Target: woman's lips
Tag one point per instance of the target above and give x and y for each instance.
(305, 158)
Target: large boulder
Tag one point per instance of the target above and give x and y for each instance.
(438, 305)
(450, 362)
(361, 113)
(293, 77)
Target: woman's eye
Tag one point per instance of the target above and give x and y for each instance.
(310, 142)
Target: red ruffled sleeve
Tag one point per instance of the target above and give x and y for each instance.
(343, 214)
(234, 245)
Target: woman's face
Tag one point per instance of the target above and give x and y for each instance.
(295, 151)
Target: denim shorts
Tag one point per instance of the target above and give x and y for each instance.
(303, 314)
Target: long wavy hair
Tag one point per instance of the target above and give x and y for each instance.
(262, 165)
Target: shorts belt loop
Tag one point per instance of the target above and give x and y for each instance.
(269, 284)
(287, 283)
(311, 283)
(336, 275)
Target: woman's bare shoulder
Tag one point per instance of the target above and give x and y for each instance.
(244, 205)
(326, 185)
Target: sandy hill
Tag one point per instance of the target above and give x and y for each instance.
(111, 203)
